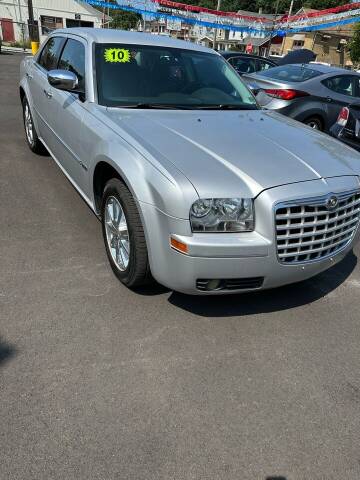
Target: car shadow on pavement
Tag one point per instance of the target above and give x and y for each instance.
(6, 351)
(267, 301)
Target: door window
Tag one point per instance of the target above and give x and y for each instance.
(343, 85)
(243, 65)
(263, 65)
(73, 59)
(49, 55)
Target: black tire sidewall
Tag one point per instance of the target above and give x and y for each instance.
(314, 120)
(117, 189)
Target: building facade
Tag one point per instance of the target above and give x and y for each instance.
(330, 46)
(48, 16)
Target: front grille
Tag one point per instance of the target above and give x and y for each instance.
(230, 284)
(306, 230)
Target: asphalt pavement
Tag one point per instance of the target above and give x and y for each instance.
(99, 383)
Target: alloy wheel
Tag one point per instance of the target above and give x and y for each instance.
(29, 129)
(117, 233)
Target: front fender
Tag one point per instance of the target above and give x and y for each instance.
(166, 189)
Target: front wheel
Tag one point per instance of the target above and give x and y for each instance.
(124, 235)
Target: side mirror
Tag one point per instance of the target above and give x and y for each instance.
(63, 80)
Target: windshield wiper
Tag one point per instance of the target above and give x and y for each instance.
(226, 107)
(158, 106)
(175, 106)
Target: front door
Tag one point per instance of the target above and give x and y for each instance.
(7, 28)
(67, 111)
(41, 90)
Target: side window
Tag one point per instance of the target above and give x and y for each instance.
(342, 84)
(73, 59)
(243, 65)
(49, 55)
(264, 65)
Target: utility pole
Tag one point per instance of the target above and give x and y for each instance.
(274, 23)
(22, 26)
(216, 30)
(289, 15)
(33, 34)
(291, 8)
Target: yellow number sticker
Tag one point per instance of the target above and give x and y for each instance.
(117, 55)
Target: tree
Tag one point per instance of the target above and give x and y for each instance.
(124, 20)
(354, 45)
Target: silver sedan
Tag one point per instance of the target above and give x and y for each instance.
(196, 187)
(313, 94)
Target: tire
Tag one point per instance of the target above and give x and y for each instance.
(131, 264)
(315, 123)
(31, 135)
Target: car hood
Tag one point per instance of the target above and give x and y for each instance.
(235, 153)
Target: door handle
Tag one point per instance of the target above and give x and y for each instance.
(48, 93)
(29, 76)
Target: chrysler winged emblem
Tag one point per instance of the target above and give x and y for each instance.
(332, 202)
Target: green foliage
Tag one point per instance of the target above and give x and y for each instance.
(124, 20)
(354, 45)
(127, 20)
(267, 6)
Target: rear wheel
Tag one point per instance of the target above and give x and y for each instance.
(124, 235)
(32, 138)
(315, 123)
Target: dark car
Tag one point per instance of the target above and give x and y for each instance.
(313, 94)
(247, 63)
(347, 126)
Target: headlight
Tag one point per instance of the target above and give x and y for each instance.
(222, 215)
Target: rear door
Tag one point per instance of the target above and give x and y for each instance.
(340, 91)
(243, 64)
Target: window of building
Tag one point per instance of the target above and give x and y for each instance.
(49, 24)
(298, 43)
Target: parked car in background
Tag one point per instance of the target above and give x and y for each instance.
(195, 185)
(246, 63)
(313, 94)
(347, 126)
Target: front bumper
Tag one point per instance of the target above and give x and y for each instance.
(237, 255)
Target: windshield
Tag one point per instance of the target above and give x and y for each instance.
(155, 77)
(290, 73)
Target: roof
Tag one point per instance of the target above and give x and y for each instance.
(93, 11)
(229, 54)
(108, 35)
(323, 68)
(255, 41)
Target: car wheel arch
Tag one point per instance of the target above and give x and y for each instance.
(103, 172)
(22, 93)
(316, 116)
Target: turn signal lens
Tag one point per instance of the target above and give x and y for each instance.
(180, 246)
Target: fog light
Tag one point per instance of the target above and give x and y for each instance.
(213, 285)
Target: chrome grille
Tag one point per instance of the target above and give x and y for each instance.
(306, 230)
